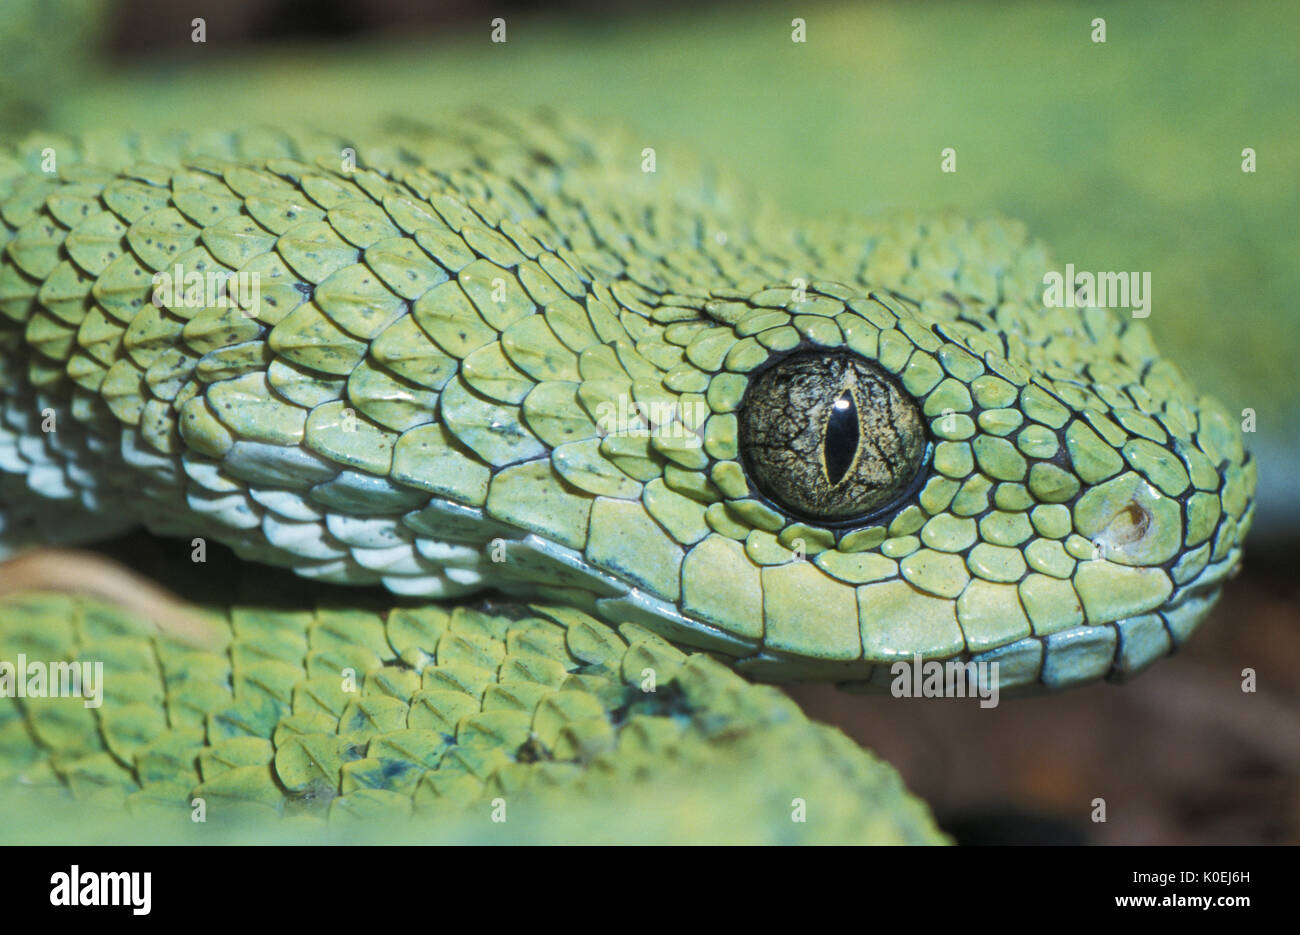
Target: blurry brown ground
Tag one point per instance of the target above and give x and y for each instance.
(1180, 754)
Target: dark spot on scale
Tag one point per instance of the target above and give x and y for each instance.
(532, 750)
(393, 769)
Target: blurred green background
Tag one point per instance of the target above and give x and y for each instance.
(1123, 156)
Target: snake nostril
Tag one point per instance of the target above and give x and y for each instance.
(1134, 521)
(1130, 525)
(1131, 521)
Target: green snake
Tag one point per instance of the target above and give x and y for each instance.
(685, 445)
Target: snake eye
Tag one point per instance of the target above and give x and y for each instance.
(830, 437)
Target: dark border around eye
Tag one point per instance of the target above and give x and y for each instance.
(840, 527)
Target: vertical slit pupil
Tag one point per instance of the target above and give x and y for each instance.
(841, 439)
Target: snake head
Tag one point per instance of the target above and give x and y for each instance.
(1053, 499)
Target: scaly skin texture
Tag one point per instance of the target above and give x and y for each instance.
(509, 724)
(436, 390)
